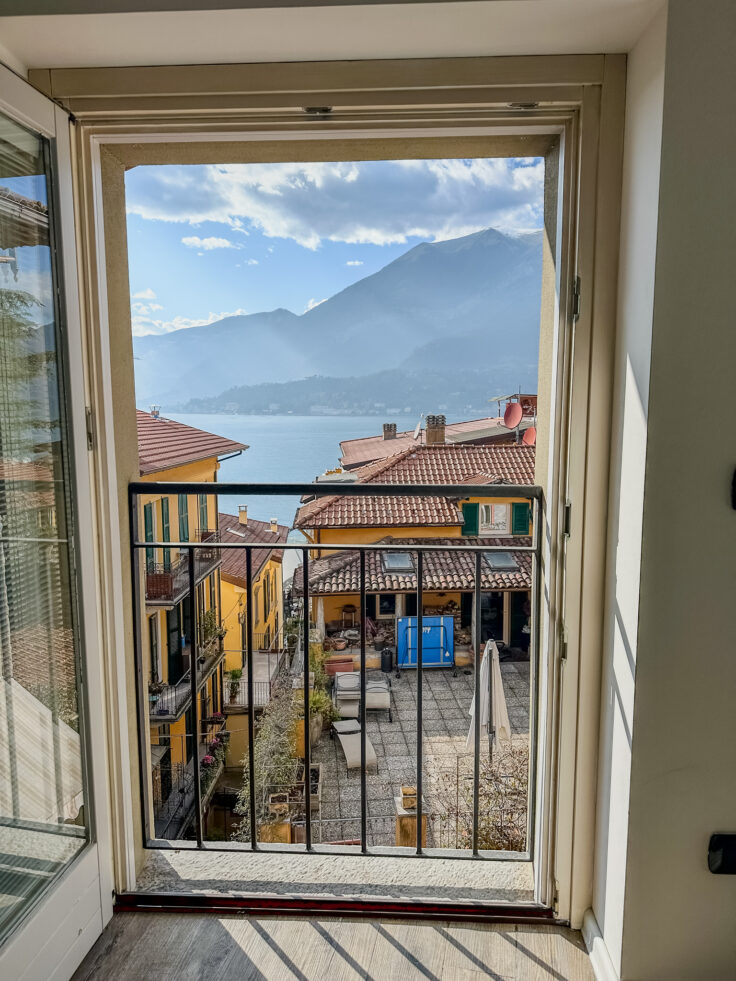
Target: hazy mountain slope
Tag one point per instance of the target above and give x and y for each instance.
(473, 301)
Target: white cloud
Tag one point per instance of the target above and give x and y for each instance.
(209, 243)
(354, 262)
(383, 202)
(147, 294)
(313, 303)
(251, 262)
(143, 324)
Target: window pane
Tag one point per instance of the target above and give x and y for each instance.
(43, 809)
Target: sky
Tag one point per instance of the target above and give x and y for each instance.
(206, 242)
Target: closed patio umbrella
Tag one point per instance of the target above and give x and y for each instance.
(493, 709)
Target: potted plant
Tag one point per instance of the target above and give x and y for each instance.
(155, 687)
(235, 675)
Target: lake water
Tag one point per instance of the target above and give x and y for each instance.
(280, 449)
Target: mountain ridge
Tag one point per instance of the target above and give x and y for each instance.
(481, 290)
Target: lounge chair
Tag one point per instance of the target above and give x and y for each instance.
(346, 695)
(348, 732)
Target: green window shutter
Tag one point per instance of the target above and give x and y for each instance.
(520, 519)
(183, 518)
(203, 512)
(148, 525)
(166, 531)
(471, 517)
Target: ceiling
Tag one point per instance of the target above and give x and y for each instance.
(360, 30)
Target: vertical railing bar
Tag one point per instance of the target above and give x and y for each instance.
(476, 708)
(251, 703)
(307, 754)
(363, 780)
(140, 688)
(193, 682)
(420, 652)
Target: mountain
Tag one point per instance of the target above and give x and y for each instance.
(471, 302)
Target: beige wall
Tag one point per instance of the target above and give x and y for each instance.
(679, 920)
(639, 208)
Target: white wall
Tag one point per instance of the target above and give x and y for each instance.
(679, 921)
(644, 93)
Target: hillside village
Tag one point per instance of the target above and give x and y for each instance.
(244, 629)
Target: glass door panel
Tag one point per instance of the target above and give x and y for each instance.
(44, 812)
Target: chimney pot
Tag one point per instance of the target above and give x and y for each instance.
(389, 430)
(435, 430)
(155, 411)
(274, 526)
(243, 514)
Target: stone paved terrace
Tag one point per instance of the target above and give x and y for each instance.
(446, 702)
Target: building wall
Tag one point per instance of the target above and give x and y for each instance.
(234, 604)
(678, 918)
(645, 86)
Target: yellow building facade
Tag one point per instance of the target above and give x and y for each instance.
(176, 630)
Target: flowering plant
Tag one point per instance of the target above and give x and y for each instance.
(208, 760)
(215, 745)
(218, 717)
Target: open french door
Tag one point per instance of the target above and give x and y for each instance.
(55, 872)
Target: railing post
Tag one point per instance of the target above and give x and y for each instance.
(193, 684)
(250, 699)
(307, 754)
(363, 781)
(476, 701)
(420, 654)
(141, 686)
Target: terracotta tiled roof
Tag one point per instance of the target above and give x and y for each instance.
(35, 483)
(233, 560)
(164, 444)
(367, 449)
(451, 570)
(444, 464)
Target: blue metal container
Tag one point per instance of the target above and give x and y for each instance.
(438, 642)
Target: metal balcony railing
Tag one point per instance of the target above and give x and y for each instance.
(479, 568)
(167, 581)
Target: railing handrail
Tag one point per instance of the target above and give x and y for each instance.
(348, 489)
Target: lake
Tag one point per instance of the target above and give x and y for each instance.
(280, 449)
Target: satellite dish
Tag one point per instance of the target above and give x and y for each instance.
(513, 415)
(530, 436)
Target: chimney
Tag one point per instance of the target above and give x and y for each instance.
(243, 514)
(435, 430)
(274, 526)
(389, 430)
(155, 411)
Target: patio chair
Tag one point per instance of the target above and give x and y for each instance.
(346, 695)
(348, 732)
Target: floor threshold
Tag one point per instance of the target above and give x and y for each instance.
(477, 912)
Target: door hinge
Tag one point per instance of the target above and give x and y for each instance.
(90, 420)
(563, 642)
(575, 299)
(567, 519)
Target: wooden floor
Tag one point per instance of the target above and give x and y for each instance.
(179, 947)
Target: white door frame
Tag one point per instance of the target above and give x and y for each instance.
(55, 934)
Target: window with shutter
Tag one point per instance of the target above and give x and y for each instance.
(166, 531)
(520, 519)
(183, 518)
(203, 512)
(148, 525)
(470, 517)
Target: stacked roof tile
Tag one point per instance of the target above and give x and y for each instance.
(442, 464)
(451, 570)
(164, 444)
(367, 449)
(233, 559)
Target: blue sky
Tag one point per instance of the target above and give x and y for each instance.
(206, 242)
